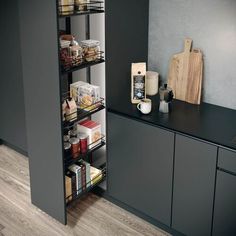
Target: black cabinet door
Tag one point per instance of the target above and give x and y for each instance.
(194, 178)
(140, 166)
(225, 205)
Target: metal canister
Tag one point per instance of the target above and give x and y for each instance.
(75, 147)
(67, 149)
(83, 143)
(73, 133)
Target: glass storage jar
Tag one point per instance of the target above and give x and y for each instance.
(66, 7)
(81, 5)
(91, 50)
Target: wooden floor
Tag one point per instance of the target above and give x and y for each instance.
(90, 216)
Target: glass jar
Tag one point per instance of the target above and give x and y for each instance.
(91, 50)
(83, 143)
(67, 149)
(81, 5)
(75, 147)
(66, 7)
(152, 83)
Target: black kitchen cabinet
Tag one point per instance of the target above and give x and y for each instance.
(224, 222)
(193, 194)
(140, 166)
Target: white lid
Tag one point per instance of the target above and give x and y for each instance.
(152, 75)
(90, 43)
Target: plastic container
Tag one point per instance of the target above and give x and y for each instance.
(91, 50)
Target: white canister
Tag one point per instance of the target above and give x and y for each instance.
(152, 83)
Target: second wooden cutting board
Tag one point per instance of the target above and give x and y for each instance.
(185, 74)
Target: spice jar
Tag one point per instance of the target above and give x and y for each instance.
(66, 138)
(73, 133)
(66, 7)
(67, 149)
(83, 143)
(91, 50)
(75, 147)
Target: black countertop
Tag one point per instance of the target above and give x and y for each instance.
(208, 122)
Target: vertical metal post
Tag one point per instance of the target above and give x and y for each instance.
(87, 29)
(68, 31)
(88, 69)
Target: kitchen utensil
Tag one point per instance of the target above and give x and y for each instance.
(166, 97)
(185, 74)
(195, 73)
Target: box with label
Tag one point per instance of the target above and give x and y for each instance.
(93, 130)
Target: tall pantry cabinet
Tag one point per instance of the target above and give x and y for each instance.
(126, 42)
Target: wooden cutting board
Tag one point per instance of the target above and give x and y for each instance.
(185, 74)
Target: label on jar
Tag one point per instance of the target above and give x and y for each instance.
(139, 87)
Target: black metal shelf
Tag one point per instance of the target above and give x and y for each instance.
(69, 160)
(85, 112)
(88, 189)
(81, 66)
(90, 12)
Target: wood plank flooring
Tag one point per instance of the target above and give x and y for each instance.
(92, 216)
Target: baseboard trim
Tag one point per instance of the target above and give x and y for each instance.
(2, 142)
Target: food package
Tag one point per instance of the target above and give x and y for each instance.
(71, 110)
(95, 175)
(138, 82)
(93, 130)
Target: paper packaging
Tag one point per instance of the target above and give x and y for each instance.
(71, 110)
(138, 82)
(92, 129)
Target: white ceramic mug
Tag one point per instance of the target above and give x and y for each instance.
(145, 106)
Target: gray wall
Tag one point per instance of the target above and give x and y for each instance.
(212, 26)
(12, 118)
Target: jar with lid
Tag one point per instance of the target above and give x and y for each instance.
(75, 147)
(82, 5)
(152, 83)
(76, 52)
(66, 7)
(83, 142)
(91, 50)
(67, 149)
